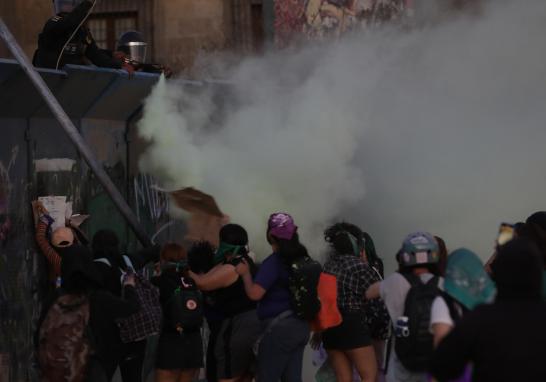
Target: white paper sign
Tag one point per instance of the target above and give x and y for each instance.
(56, 206)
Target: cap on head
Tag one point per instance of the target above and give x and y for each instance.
(281, 225)
(62, 237)
(419, 248)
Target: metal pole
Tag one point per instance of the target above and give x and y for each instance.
(74, 135)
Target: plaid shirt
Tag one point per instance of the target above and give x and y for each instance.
(354, 276)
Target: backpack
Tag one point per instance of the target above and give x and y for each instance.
(377, 315)
(64, 345)
(415, 350)
(303, 281)
(456, 310)
(185, 307)
(147, 321)
(328, 315)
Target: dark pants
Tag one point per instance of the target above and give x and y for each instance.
(280, 354)
(130, 361)
(214, 327)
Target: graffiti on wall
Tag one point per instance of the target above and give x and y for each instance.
(5, 193)
(315, 19)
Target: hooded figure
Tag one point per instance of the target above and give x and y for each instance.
(505, 340)
(78, 271)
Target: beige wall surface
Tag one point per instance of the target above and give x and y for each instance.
(25, 19)
(183, 28)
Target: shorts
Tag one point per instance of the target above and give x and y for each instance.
(179, 351)
(234, 344)
(352, 333)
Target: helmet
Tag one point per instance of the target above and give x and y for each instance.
(133, 45)
(65, 6)
(418, 248)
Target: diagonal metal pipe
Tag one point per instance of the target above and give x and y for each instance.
(74, 135)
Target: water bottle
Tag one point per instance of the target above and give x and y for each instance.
(58, 282)
(402, 327)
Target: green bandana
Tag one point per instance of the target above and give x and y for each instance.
(170, 264)
(224, 248)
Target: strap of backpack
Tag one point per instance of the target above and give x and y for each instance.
(455, 313)
(433, 281)
(412, 279)
(103, 260)
(128, 263)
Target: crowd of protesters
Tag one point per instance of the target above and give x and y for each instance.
(440, 317)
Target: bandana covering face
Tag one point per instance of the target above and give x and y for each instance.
(281, 225)
(466, 280)
(220, 254)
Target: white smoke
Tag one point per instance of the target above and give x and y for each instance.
(440, 128)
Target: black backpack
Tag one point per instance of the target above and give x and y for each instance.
(185, 307)
(415, 350)
(303, 280)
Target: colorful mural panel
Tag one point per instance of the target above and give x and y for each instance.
(315, 19)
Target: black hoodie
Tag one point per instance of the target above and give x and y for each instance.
(80, 276)
(505, 341)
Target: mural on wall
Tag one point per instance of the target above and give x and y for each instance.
(314, 19)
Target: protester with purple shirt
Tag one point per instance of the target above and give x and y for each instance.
(284, 336)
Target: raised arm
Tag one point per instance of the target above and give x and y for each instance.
(70, 21)
(52, 257)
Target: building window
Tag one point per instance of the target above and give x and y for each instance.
(107, 27)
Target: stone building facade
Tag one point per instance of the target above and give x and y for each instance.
(177, 30)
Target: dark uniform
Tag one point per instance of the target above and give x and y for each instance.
(81, 50)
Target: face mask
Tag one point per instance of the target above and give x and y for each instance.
(224, 248)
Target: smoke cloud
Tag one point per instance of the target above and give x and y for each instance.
(438, 128)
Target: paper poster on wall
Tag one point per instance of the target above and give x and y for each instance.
(56, 206)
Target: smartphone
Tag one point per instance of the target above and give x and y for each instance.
(506, 233)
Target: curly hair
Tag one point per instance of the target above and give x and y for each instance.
(339, 238)
(200, 257)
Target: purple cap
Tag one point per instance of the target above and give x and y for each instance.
(281, 225)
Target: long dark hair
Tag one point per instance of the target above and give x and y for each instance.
(339, 238)
(290, 250)
(371, 254)
(201, 257)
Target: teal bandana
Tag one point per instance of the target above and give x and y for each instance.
(224, 248)
(466, 280)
